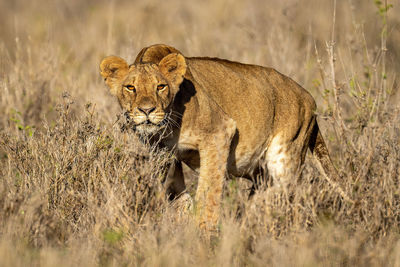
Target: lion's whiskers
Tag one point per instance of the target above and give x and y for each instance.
(176, 114)
(173, 122)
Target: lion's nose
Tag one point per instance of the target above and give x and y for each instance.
(147, 111)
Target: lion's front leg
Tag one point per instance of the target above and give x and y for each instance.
(174, 185)
(209, 189)
(174, 182)
(213, 167)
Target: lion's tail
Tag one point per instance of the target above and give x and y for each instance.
(324, 163)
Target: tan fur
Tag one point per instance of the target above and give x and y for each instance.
(221, 117)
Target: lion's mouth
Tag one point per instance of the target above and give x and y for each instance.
(149, 123)
(145, 126)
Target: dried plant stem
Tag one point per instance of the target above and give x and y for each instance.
(330, 47)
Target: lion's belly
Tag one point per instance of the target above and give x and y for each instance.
(244, 159)
(241, 162)
(190, 157)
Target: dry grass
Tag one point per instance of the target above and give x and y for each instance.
(75, 190)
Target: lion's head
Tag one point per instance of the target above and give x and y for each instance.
(145, 90)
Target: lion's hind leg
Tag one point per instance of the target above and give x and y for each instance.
(259, 178)
(283, 162)
(280, 163)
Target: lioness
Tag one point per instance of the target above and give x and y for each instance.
(218, 117)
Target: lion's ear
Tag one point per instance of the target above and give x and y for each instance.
(173, 67)
(113, 69)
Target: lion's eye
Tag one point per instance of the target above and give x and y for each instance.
(130, 88)
(161, 87)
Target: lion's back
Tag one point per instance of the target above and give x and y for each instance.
(250, 94)
(239, 89)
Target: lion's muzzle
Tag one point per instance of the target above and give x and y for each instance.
(146, 121)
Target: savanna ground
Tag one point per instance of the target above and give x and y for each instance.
(76, 190)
